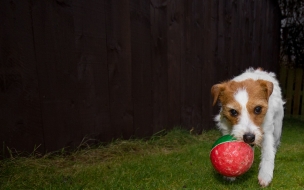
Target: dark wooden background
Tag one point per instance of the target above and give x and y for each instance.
(100, 69)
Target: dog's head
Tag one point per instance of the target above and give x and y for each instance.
(244, 106)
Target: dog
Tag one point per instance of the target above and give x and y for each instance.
(252, 110)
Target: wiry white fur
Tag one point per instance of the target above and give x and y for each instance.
(272, 125)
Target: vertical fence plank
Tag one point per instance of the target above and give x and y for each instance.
(21, 113)
(283, 79)
(221, 45)
(120, 68)
(266, 41)
(191, 86)
(289, 91)
(53, 28)
(237, 38)
(292, 82)
(242, 38)
(302, 95)
(249, 33)
(275, 36)
(141, 67)
(257, 38)
(176, 55)
(211, 72)
(231, 19)
(297, 92)
(228, 33)
(91, 69)
(160, 64)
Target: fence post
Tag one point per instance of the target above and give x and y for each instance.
(289, 90)
(297, 92)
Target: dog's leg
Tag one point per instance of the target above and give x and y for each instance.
(267, 160)
(278, 127)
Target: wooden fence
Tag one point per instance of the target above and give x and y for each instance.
(292, 82)
(122, 68)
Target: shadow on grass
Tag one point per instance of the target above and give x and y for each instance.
(238, 181)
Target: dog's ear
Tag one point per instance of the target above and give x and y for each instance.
(215, 92)
(268, 87)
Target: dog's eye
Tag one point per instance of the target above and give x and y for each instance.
(233, 112)
(258, 110)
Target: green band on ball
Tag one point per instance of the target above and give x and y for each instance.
(225, 138)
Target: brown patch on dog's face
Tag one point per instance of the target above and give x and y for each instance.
(256, 105)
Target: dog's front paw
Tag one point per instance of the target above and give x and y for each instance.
(264, 179)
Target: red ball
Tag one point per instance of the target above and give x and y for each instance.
(231, 158)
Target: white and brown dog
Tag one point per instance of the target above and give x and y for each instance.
(252, 111)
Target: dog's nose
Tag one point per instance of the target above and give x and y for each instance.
(249, 138)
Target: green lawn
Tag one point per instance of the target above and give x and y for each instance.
(176, 160)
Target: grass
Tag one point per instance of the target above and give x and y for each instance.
(176, 160)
